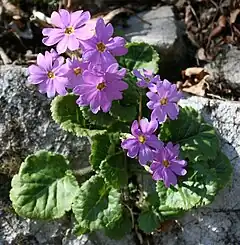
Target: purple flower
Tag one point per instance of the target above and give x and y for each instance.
(166, 165)
(147, 79)
(100, 88)
(163, 101)
(49, 74)
(75, 70)
(69, 29)
(102, 48)
(143, 141)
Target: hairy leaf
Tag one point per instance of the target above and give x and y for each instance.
(100, 119)
(114, 171)
(140, 55)
(125, 113)
(120, 228)
(165, 211)
(44, 188)
(149, 221)
(191, 194)
(102, 146)
(68, 114)
(197, 139)
(96, 205)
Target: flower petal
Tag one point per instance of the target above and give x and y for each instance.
(62, 45)
(154, 142)
(56, 20)
(145, 154)
(169, 177)
(135, 129)
(65, 17)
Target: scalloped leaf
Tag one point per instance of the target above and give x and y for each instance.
(125, 113)
(120, 228)
(44, 188)
(197, 139)
(100, 119)
(149, 221)
(96, 205)
(191, 194)
(102, 146)
(69, 116)
(140, 55)
(99, 150)
(114, 171)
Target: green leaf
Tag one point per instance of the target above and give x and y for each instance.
(44, 188)
(125, 113)
(165, 211)
(191, 194)
(197, 139)
(78, 230)
(149, 221)
(114, 171)
(140, 55)
(120, 228)
(68, 114)
(99, 150)
(130, 95)
(96, 205)
(223, 169)
(100, 119)
(102, 146)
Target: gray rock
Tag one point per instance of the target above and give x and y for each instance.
(165, 33)
(226, 68)
(25, 121)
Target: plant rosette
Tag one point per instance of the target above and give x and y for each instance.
(110, 93)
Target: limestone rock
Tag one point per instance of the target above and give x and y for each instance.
(159, 28)
(226, 68)
(25, 121)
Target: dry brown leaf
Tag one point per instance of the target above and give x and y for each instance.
(11, 9)
(194, 73)
(234, 15)
(222, 22)
(198, 89)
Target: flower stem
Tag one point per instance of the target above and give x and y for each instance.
(140, 107)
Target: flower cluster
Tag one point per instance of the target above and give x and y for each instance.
(95, 76)
(143, 143)
(92, 73)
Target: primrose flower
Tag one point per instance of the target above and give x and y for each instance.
(163, 101)
(102, 48)
(49, 74)
(69, 29)
(166, 165)
(100, 88)
(147, 79)
(75, 71)
(143, 141)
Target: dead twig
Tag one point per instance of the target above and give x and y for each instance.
(6, 60)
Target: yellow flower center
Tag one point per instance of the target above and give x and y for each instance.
(101, 86)
(69, 30)
(77, 71)
(101, 47)
(147, 79)
(163, 101)
(141, 139)
(165, 163)
(50, 74)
